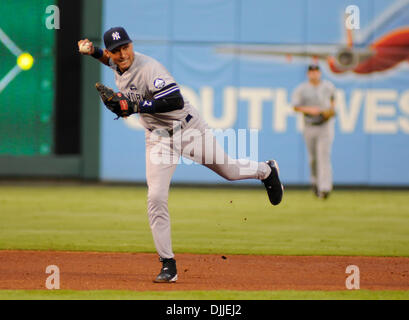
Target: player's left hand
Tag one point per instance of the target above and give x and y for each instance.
(116, 101)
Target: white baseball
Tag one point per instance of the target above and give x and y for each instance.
(85, 47)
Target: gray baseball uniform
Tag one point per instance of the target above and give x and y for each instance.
(170, 135)
(318, 135)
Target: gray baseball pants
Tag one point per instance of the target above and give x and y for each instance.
(162, 155)
(319, 141)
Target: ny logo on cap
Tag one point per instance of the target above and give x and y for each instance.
(116, 36)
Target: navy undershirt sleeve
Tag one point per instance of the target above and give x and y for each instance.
(166, 103)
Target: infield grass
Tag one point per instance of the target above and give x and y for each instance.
(205, 220)
(202, 295)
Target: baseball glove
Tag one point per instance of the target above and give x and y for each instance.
(327, 114)
(323, 117)
(116, 102)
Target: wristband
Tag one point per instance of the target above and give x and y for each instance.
(98, 53)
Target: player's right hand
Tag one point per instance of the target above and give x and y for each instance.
(314, 111)
(85, 47)
(310, 110)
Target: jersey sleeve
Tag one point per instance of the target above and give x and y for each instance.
(296, 99)
(159, 81)
(332, 91)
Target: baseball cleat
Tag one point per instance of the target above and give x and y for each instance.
(315, 190)
(168, 273)
(273, 185)
(324, 195)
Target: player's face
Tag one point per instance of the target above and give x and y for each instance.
(123, 56)
(314, 75)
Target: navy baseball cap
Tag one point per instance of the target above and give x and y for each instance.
(115, 37)
(313, 67)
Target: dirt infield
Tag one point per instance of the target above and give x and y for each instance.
(135, 271)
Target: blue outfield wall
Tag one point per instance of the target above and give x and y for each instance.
(194, 41)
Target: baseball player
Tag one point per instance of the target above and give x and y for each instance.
(316, 100)
(173, 128)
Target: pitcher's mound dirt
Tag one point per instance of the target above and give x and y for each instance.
(135, 271)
